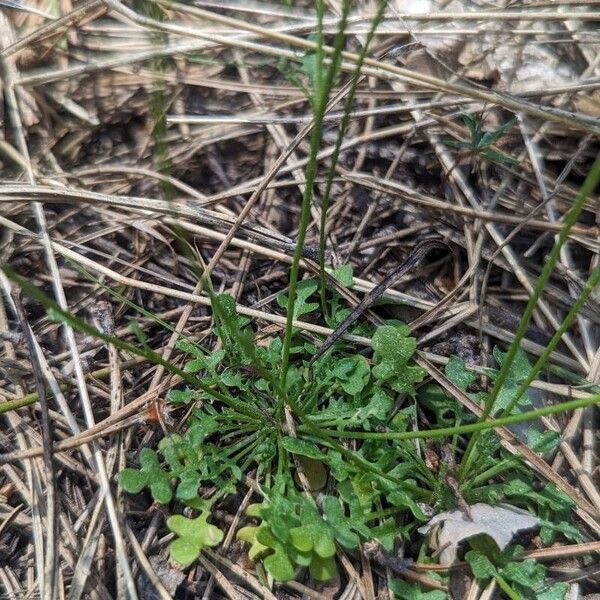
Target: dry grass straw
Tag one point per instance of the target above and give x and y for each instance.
(81, 186)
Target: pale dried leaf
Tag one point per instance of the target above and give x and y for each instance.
(501, 523)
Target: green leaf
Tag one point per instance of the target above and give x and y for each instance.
(500, 157)
(322, 569)
(518, 372)
(151, 475)
(337, 466)
(189, 481)
(379, 406)
(542, 442)
(138, 332)
(278, 563)
(194, 535)
(386, 534)
(302, 447)
(308, 65)
(481, 566)
(561, 526)
(474, 125)
(412, 591)
(520, 366)
(392, 351)
(347, 530)
(353, 373)
(457, 143)
(238, 340)
(345, 275)
(556, 592)
(400, 498)
(280, 513)
(305, 289)
(250, 534)
(491, 137)
(190, 347)
(207, 362)
(457, 372)
(132, 480)
(313, 535)
(528, 574)
(446, 410)
(182, 396)
(550, 496)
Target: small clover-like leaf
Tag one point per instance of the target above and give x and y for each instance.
(405, 382)
(392, 350)
(151, 475)
(313, 535)
(280, 513)
(133, 480)
(194, 534)
(189, 480)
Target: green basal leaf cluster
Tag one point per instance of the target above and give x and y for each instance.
(517, 578)
(481, 142)
(378, 490)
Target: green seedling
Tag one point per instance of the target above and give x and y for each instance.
(481, 142)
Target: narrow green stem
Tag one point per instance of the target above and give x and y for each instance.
(321, 96)
(505, 587)
(502, 466)
(384, 512)
(319, 53)
(462, 429)
(588, 288)
(587, 188)
(338, 143)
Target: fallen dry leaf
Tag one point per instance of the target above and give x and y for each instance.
(448, 529)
